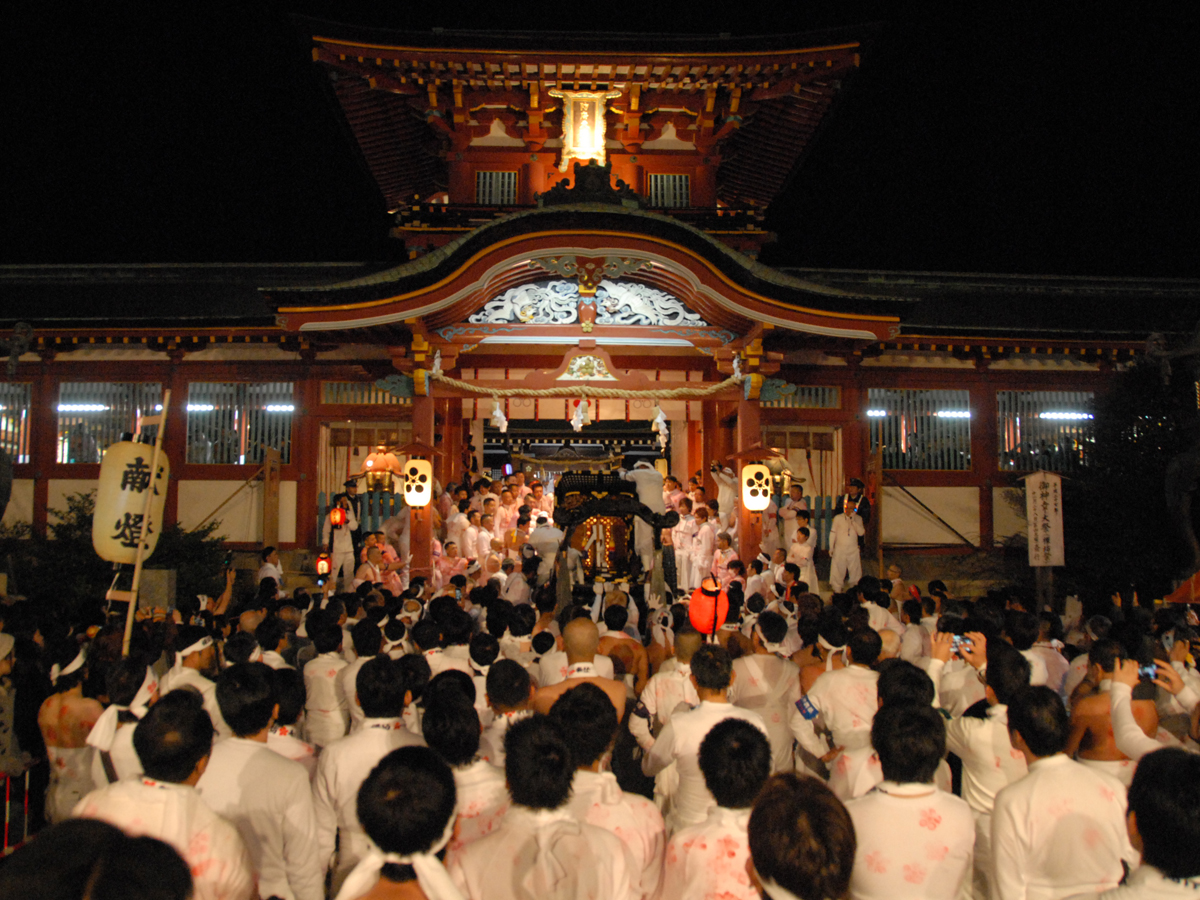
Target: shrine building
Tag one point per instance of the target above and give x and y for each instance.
(583, 217)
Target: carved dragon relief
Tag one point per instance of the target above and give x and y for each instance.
(558, 303)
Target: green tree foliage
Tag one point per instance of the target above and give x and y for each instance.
(64, 566)
(1116, 527)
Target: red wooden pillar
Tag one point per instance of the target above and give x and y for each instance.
(855, 433)
(984, 448)
(422, 521)
(306, 453)
(175, 438)
(748, 433)
(44, 443)
(710, 424)
(452, 441)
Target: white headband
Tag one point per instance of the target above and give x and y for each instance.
(431, 874)
(828, 646)
(769, 646)
(776, 891)
(57, 672)
(202, 644)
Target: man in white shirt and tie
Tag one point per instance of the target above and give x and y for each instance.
(845, 562)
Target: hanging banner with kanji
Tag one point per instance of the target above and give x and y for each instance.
(125, 477)
(1043, 509)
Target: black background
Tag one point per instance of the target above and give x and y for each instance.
(1062, 143)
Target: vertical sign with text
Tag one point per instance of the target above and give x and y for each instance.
(1043, 509)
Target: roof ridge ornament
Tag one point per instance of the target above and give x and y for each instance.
(592, 185)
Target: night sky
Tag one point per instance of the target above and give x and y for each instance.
(202, 132)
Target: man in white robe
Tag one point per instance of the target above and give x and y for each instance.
(845, 565)
(327, 717)
(843, 700)
(913, 840)
(541, 851)
(196, 667)
(587, 718)
(769, 684)
(788, 513)
(1060, 830)
(451, 729)
(710, 859)
(510, 695)
(649, 483)
(989, 761)
(174, 740)
(679, 742)
(267, 797)
(344, 765)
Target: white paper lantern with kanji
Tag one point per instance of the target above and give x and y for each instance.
(125, 479)
(756, 487)
(418, 482)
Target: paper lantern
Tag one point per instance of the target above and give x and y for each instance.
(756, 487)
(125, 478)
(323, 565)
(708, 609)
(337, 516)
(418, 482)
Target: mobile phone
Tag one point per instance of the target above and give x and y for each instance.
(961, 640)
(1149, 672)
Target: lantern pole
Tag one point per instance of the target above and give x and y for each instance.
(141, 549)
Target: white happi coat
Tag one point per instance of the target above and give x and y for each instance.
(769, 685)
(708, 861)
(1058, 831)
(664, 695)
(270, 801)
(545, 855)
(286, 741)
(801, 553)
(597, 799)
(787, 513)
(482, 801)
(183, 676)
(175, 813)
(553, 667)
(491, 742)
(704, 545)
(680, 742)
(326, 715)
(914, 841)
(343, 767)
(847, 700)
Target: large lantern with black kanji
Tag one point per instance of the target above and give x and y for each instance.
(120, 522)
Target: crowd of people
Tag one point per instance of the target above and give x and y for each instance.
(467, 736)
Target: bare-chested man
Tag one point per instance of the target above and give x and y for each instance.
(616, 644)
(1091, 740)
(582, 639)
(66, 718)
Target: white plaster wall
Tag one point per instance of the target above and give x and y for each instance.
(287, 512)
(241, 518)
(1006, 521)
(905, 522)
(61, 488)
(20, 504)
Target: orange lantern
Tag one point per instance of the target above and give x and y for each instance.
(337, 516)
(323, 565)
(709, 607)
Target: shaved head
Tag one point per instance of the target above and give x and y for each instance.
(891, 644)
(686, 644)
(582, 638)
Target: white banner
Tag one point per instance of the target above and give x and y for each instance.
(1043, 509)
